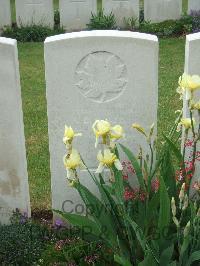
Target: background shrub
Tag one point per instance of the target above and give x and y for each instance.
(131, 23)
(169, 27)
(75, 251)
(26, 242)
(33, 33)
(22, 243)
(195, 21)
(100, 21)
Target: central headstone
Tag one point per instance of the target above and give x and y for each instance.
(97, 75)
(161, 10)
(35, 12)
(14, 192)
(122, 9)
(75, 14)
(5, 13)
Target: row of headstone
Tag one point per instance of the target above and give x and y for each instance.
(107, 72)
(28, 12)
(99, 84)
(75, 15)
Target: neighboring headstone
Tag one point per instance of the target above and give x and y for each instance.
(192, 67)
(122, 9)
(160, 10)
(5, 13)
(37, 12)
(76, 14)
(97, 75)
(14, 191)
(193, 5)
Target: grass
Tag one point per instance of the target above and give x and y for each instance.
(35, 119)
(35, 115)
(171, 66)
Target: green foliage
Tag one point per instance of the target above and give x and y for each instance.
(75, 251)
(130, 23)
(100, 21)
(168, 28)
(22, 243)
(143, 230)
(32, 33)
(56, 18)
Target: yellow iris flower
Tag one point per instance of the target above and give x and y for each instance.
(72, 162)
(186, 123)
(197, 105)
(101, 128)
(188, 84)
(107, 159)
(117, 132)
(139, 129)
(69, 135)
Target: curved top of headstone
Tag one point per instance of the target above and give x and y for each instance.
(8, 41)
(193, 36)
(103, 33)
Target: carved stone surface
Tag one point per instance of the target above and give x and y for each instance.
(5, 13)
(192, 67)
(193, 5)
(121, 9)
(160, 10)
(75, 14)
(39, 12)
(97, 75)
(101, 76)
(14, 192)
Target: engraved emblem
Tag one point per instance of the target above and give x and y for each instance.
(101, 76)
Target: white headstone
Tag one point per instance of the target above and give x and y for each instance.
(192, 67)
(14, 191)
(39, 12)
(97, 75)
(76, 14)
(193, 5)
(121, 9)
(5, 13)
(160, 10)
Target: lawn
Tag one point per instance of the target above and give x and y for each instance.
(35, 116)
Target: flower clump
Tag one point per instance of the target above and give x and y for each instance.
(105, 134)
(188, 85)
(137, 193)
